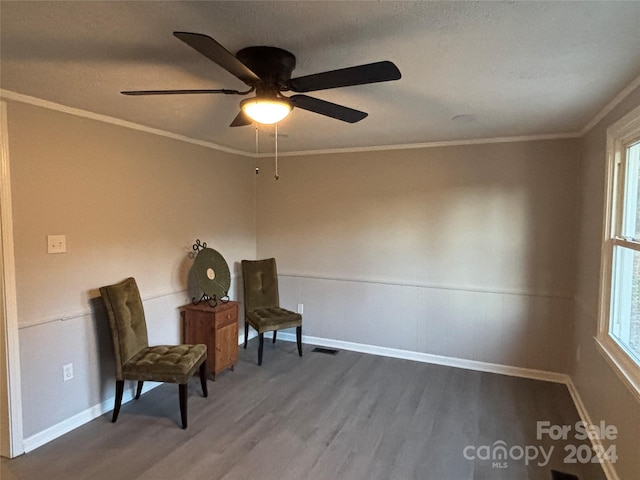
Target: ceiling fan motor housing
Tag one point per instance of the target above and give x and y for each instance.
(273, 65)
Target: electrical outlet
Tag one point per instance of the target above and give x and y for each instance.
(56, 244)
(300, 308)
(67, 372)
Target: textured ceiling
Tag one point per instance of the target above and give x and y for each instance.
(508, 68)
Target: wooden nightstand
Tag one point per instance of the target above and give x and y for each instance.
(217, 328)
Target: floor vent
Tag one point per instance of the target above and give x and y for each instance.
(328, 351)
(562, 476)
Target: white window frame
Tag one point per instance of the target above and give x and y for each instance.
(620, 135)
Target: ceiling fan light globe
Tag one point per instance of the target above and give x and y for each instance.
(265, 111)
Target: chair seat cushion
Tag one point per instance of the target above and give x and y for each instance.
(272, 318)
(165, 363)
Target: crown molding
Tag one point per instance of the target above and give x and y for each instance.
(18, 97)
(407, 146)
(610, 106)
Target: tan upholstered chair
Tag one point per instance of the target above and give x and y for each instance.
(262, 303)
(136, 360)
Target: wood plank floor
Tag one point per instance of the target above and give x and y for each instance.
(320, 417)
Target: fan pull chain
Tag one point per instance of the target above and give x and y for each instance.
(276, 176)
(257, 167)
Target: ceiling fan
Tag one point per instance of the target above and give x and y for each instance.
(267, 72)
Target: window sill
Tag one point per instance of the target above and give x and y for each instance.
(624, 366)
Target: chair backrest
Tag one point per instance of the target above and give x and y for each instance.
(260, 279)
(126, 319)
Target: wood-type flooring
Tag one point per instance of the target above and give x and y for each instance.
(350, 416)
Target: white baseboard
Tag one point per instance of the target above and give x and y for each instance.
(607, 466)
(430, 358)
(91, 413)
(80, 419)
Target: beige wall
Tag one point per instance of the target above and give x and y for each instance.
(605, 396)
(468, 252)
(464, 251)
(130, 204)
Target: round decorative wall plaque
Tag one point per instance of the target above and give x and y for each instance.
(212, 274)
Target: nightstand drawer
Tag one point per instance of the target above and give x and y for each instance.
(226, 316)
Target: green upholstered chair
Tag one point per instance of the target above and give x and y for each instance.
(136, 360)
(262, 303)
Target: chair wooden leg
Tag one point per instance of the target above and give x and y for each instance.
(260, 348)
(274, 336)
(246, 334)
(203, 379)
(139, 389)
(299, 339)
(118, 400)
(183, 403)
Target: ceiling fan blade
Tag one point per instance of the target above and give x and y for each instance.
(345, 77)
(181, 92)
(329, 109)
(211, 49)
(241, 120)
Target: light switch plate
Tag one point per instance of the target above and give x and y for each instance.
(56, 243)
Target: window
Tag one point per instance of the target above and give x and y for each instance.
(619, 328)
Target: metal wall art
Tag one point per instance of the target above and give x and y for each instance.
(212, 275)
